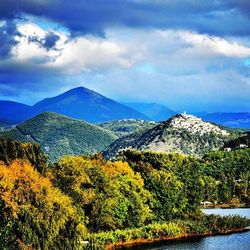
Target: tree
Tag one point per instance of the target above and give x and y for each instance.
(167, 191)
(110, 194)
(161, 172)
(34, 214)
(123, 201)
(11, 150)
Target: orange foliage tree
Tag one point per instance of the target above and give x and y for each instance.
(34, 214)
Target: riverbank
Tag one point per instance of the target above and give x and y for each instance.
(205, 225)
(120, 245)
(226, 206)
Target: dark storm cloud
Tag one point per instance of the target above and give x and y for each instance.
(218, 17)
(48, 42)
(18, 78)
(7, 33)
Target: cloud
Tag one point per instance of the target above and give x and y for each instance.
(187, 54)
(35, 64)
(216, 17)
(57, 51)
(84, 54)
(8, 31)
(217, 45)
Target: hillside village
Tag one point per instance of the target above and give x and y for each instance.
(195, 125)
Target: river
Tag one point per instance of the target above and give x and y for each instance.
(236, 241)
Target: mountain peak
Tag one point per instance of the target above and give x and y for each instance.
(79, 89)
(85, 104)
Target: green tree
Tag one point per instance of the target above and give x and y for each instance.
(110, 194)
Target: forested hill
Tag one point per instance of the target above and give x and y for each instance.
(182, 133)
(127, 126)
(59, 135)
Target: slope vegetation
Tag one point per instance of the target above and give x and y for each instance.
(127, 126)
(60, 135)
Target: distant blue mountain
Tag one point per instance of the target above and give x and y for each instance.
(233, 120)
(80, 103)
(9, 109)
(155, 111)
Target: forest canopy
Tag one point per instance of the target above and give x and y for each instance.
(53, 206)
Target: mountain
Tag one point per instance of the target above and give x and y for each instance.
(8, 108)
(156, 112)
(59, 135)
(182, 133)
(80, 103)
(233, 120)
(127, 126)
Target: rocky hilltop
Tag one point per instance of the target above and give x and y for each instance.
(182, 133)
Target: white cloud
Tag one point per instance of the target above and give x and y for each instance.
(83, 54)
(69, 55)
(28, 50)
(210, 44)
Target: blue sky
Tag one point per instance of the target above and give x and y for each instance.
(187, 54)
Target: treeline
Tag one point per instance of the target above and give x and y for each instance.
(226, 176)
(57, 206)
(236, 142)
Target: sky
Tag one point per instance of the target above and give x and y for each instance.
(186, 54)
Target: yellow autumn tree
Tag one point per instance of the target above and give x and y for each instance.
(34, 214)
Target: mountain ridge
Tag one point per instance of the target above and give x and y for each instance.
(181, 133)
(230, 119)
(8, 108)
(155, 111)
(127, 126)
(80, 103)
